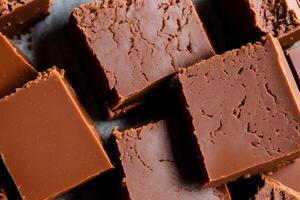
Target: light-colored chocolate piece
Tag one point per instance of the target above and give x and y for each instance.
(15, 71)
(47, 142)
(243, 109)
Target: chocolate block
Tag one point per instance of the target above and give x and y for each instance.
(242, 108)
(130, 46)
(47, 142)
(15, 71)
(157, 165)
(283, 184)
(248, 20)
(293, 55)
(16, 15)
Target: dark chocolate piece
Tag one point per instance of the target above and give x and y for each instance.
(15, 71)
(243, 110)
(247, 20)
(47, 142)
(293, 55)
(16, 15)
(132, 45)
(154, 169)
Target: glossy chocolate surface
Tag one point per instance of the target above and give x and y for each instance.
(15, 71)
(47, 142)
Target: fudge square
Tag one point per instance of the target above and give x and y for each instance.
(154, 169)
(15, 71)
(282, 184)
(133, 44)
(47, 142)
(16, 15)
(253, 18)
(243, 110)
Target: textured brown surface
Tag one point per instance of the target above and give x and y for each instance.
(136, 43)
(243, 108)
(15, 71)
(250, 19)
(275, 190)
(151, 165)
(57, 143)
(17, 14)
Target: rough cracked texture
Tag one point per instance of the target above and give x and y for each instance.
(59, 147)
(15, 71)
(136, 43)
(276, 17)
(275, 190)
(151, 166)
(243, 108)
(258, 17)
(17, 14)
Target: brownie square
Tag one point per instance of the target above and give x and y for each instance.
(157, 164)
(247, 20)
(242, 108)
(16, 15)
(130, 46)
(47, 142)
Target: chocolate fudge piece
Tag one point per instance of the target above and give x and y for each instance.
(15, 15)
(15, 71)
(274, 190)
(131, 45)
(47, 142)
(283, 184)
(242, 108)
(293, 55)
(247, 20)
(154, 169)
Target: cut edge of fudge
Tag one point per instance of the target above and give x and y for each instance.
(257, 18)
(14, 15)
(221, 191)
(116, 104)
(292, 58)
(273, 189)
(293, 90)
(87, 121)
(23, 71)
(17, 52)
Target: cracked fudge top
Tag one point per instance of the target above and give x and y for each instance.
(157, 165)
(243, 108)
(139, 42)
